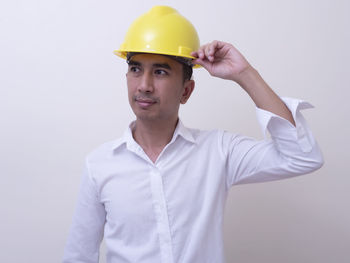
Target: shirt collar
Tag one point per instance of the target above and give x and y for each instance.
(128, 139)
(184, 132)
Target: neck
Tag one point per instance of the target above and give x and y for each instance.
(153, 136)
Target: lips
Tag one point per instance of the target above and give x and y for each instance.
(145, 102)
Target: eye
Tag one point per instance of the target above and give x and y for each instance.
(134, 69)
(161, 72)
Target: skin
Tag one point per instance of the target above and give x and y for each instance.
(223, 60)
(156, 89)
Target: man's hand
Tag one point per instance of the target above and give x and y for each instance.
(222, 60)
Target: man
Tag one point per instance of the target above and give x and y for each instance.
(157, 194)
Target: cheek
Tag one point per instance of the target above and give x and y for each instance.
(131, 92)
(173, 98)
(131, 84)
(179, 92)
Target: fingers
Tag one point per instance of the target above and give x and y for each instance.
(204, 63)
(203, 52)
(211, 49)
(208, 51)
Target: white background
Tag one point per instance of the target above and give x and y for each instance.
(63, 92)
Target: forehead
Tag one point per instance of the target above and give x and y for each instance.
(155, 59)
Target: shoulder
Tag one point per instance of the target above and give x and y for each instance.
(211, 136)
(104, 150)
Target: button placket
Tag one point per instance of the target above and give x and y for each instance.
(161, 214)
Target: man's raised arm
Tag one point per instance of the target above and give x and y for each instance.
(224, 61)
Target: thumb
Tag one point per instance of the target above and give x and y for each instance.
(204, 63)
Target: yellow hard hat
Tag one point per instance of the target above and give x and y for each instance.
(162, 30)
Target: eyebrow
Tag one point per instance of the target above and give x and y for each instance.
(155, 65)
(162, 65)
(133, 63)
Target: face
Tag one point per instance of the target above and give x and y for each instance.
(156, 87)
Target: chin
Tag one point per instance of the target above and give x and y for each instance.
(145, 116)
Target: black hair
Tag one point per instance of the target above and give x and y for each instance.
(187, 72)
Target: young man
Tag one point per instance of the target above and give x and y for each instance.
(158, 193)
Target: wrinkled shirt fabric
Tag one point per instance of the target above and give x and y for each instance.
(172, 211)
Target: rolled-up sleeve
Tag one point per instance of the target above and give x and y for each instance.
(86, 232)
(290, 150)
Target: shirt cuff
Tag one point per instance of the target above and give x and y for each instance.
(281, 128)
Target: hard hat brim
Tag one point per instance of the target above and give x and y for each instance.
(123, 54)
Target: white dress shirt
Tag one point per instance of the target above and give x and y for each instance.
(171, 211)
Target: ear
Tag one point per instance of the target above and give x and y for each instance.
(188, 89)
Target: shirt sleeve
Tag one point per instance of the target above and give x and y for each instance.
(86, 232)
(291, 150)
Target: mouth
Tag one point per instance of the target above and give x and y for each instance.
(145, 102)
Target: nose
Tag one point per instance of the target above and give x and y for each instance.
(146, 84)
